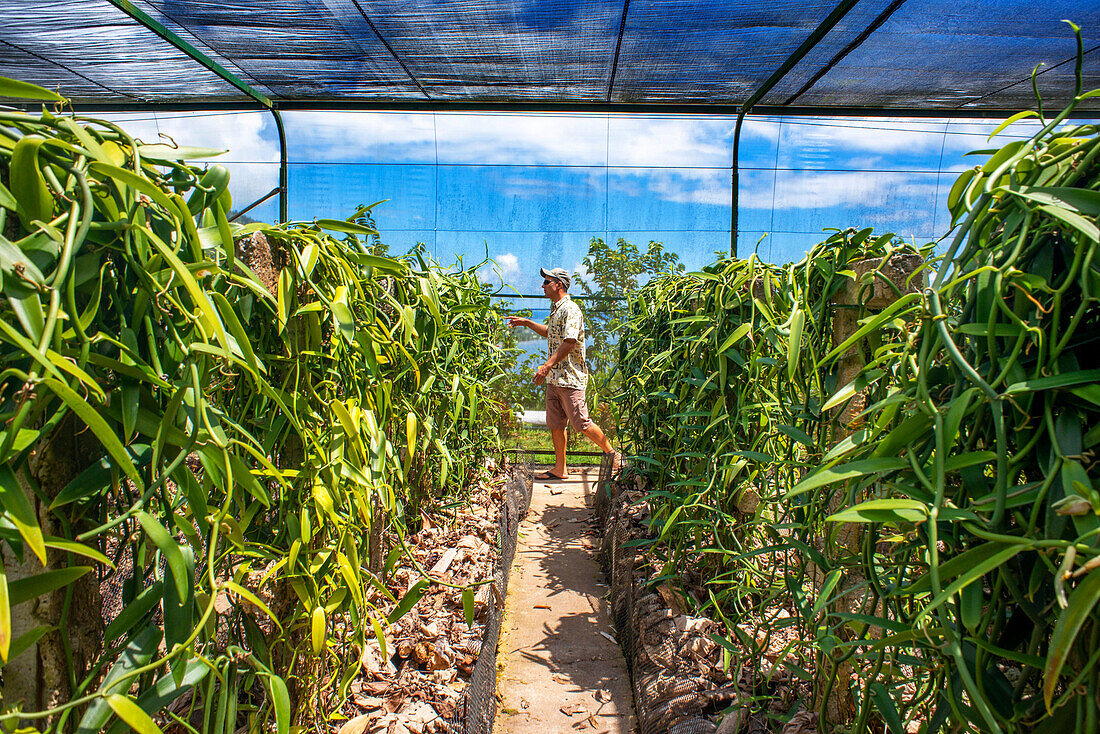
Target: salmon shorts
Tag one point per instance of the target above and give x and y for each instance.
(566, 405)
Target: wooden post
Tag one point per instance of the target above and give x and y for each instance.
(877, 284)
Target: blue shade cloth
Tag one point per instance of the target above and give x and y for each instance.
(641, 178)
(924, 54)
(949, 54)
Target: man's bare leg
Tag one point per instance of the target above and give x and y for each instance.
(597, 435)
(557, 435)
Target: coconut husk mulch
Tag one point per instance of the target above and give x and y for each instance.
(415, 686)
(685, 682)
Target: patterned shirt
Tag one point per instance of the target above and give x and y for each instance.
(566, 322)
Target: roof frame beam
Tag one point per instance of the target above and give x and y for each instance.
(683, 109)
(618, 47)
(804, 48)
(852, 46)
(390, 48)
(163, 32)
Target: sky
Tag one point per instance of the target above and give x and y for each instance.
(531, 190)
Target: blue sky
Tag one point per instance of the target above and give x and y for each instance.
(532, 190)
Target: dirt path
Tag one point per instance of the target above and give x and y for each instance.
(558, 673)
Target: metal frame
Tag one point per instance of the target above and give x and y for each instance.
(594, 106)
(158, 28)
(806, 46)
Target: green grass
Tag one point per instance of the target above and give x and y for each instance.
(537, 441)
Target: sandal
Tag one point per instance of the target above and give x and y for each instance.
(549, 476)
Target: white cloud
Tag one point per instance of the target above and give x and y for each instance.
(698, 186)
(252, 159)
(509, 264)
(579, 271)
(817, 190)
(677, 160)
(244, 134)
(514, 139)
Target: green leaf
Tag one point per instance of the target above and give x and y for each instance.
(1002, 156)
(733, 338)
(7, 200)
(169, 548)
(96, 479)
(281, 699)
(384, 264)
(844, 472)
(14, 500)
(1069, 379)
(344, 321)
(134, 612)
(71, 546)
(871, 325)
(178, 608)
(884, 702)
(31, 637)
(380, 637)
(132, 714)
(408, 601)
(28, 309)
(317, 629)
(797, 434)
(99, 427)
(133, 180)
(794, 345)
(12, 258)
(1083, 201)
(5, 617)
(1073, 219)
(284, 297)
(339, 225)
(27, 183)
(162, 152)
(43, 583)
(971, 574)
(25, 90)
(208, 315)
(1015, 118)
(883, 510)
(252, 599)
(166, 690)
(138, 652)
(1069, 623)
(831, 580)
(243, 342)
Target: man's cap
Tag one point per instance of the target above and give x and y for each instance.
(558, 274)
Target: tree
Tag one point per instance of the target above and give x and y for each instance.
(612, 274)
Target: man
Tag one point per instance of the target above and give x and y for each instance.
(564, 372)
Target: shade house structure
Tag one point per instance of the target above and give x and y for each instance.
(691, 60)
(272, 316)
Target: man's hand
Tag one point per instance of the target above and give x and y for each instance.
(514, 321)
(541, 373)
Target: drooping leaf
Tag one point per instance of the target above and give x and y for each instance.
(1069, 623)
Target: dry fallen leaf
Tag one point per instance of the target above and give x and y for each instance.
(573, 709)
(358, 725)
(804, 722)
(367, 703)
